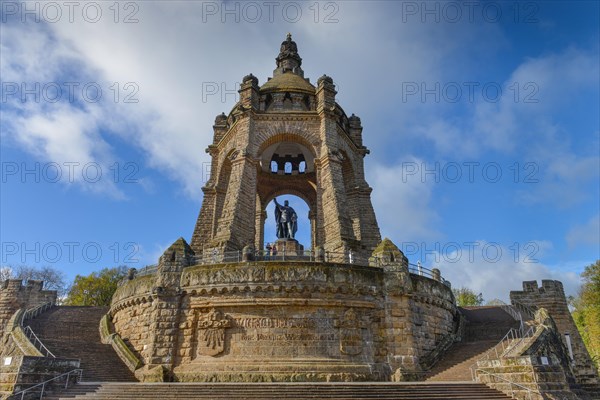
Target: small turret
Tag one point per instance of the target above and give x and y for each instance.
(220, 127)
(288, 59)
(355, 130)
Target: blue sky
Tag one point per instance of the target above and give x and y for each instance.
(482, 119)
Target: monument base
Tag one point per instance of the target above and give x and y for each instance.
(289, 247)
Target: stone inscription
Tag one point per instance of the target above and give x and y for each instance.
(286, 329)
(286, 337)
(313, 323)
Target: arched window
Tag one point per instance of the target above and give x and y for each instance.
(274, 167)
(287, 168)
(302, 167)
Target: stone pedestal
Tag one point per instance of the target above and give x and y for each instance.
(289, 247)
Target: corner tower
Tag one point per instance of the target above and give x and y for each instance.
(287, 137)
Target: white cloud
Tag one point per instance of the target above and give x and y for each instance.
(585, 234)
(402, 202)
(495, 270)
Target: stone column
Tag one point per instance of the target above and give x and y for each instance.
(337, 227)
(236, 227)
(261, 217)
(203, 231)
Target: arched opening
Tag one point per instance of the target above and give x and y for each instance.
(287, 168)
(287, 172)
(274, 166)
(302, 167)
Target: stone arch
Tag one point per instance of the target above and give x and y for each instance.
(310, 202)
(286, 137)
(287, 191)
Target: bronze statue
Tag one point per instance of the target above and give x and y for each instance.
(286, 220)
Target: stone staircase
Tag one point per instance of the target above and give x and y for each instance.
(456, 363)
(72, 332)
(592, 389)
(287, 391)
(486, 326)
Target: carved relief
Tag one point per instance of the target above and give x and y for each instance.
(351, 342)
(211, 333)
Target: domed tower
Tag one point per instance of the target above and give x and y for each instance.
(287, 137)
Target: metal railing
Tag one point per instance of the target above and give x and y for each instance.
(515, 313)
(35, 311)
(527, 311)
(285, 255)
(511, 385)
(512, 339)
(30, 334)
(420, 270)
(21, 394)
(147, 270)
(349, 257)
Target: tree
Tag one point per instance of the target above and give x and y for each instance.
(53, 278)
(467, 297)
(586, 310)
(495, 302)
(97, 288)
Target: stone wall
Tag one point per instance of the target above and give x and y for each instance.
(551, 296)
(14, 295)
(434, 315)
(281, 321)
(531, 379)
(133, 323)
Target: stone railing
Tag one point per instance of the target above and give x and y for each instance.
(431, 358)
(516, 391)
(118, 345)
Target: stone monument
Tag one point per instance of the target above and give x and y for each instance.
(348, 309)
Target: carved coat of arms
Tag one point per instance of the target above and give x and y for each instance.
(211, 333)
(351, 341)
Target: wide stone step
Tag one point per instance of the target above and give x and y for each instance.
(289, 391)
(456, 363)
(73, 332)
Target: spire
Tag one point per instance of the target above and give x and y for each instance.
(288, 59)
